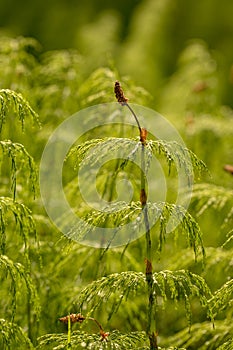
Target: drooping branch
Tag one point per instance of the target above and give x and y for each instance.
(11, 100)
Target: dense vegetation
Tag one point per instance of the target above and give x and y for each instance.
(175, 293)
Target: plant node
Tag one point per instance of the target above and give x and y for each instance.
(143, 135)
(153, 340)
(148, 267)
(143, 197)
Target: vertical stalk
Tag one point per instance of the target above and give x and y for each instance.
(29, 320)
(151, 324)
(69, 334)
(32, 319)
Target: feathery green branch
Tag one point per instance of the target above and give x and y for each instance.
(11, 100)
(20, 161)
(178, 155)
(119, 214)
(178, 285)
(202, 336)
(129, 149)
(81, 339)
(207, 195)
(18, 273)
(23, 220)
(228, 345)
(12, 337)
(229, 237)
(216, 259)
(222, 299)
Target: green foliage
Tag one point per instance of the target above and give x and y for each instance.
(227, 345)
(22, 162)
(203, 336)
(216, 261)
(201, 115)
(57, 78)
(178, 285)
(81, 339)
(120, 214)
(98, 88)
(212, 197)
(229, 235)
(18, 58)
(205, 196)
(13, 336)
(223, 299)
(179, 155)
(12, 101)
(174, 153)
(18, 274)
(16, 279)
(197, 95)
(23, 220)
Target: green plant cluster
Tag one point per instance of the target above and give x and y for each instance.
(45, 276)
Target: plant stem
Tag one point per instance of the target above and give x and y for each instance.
(69, 334)
(151, 324)
(29, 319)
(94, 320)
(135, 117)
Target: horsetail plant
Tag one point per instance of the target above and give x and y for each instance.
(151, 326)
(162, 285)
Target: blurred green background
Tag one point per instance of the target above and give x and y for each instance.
(142, 37)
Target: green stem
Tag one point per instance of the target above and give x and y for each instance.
(32, 320)
(69, 334)
(29, 319)
(151, 324)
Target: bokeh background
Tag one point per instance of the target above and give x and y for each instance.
(142, 37)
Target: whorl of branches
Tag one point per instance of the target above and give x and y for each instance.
(81, 339)
(178, 285)
(119, 214)
(174, 153)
